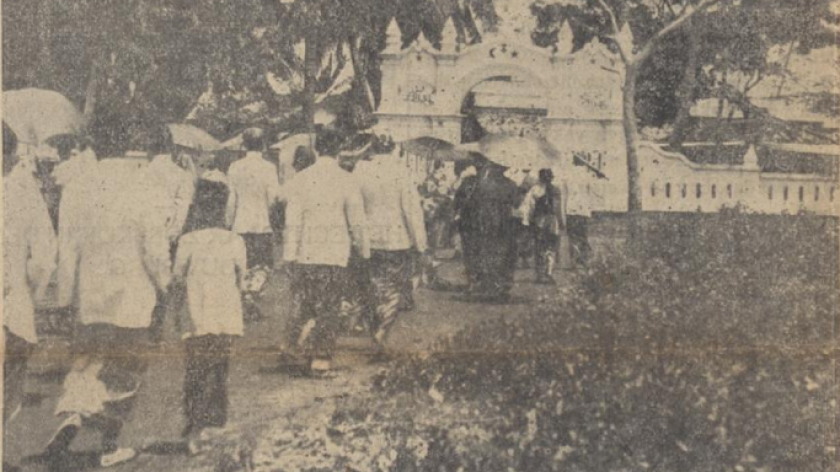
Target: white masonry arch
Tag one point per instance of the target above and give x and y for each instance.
(423, 90)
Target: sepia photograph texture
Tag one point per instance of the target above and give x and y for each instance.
(421, 235)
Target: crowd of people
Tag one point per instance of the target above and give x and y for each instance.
(140, 230)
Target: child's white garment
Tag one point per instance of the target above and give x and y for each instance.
(212, 262)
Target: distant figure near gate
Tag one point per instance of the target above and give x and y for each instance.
(485, 204)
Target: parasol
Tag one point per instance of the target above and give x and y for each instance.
(528, 152)
(192, 137)
(294, 141)
(434, 149)
(35, 115)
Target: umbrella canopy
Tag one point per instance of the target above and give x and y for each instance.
(36, 115)
(528, 152)
(192, 137)
(434, 149)
(234, 143)
(293, 141)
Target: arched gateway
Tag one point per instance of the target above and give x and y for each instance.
(579, 94)
(576, 99)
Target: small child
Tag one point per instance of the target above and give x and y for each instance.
(211, 263)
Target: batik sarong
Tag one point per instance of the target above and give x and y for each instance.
(387, 271)
(317, 292)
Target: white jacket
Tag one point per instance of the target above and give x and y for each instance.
(29, 250)
(392, 206)
(179, 188)
(75, 169)
(325, 216)
(212, 263)
(120, 252)
(253, 189)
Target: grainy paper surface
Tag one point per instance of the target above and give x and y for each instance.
(425, 235)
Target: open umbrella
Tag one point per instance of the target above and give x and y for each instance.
(234, 143)
(36, 115)
(434, 149)
(192, 137)
(519, 152)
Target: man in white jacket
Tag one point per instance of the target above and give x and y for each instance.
(396, 228)
(178, 187)
(253, 190)
(325, 223)
(119, 264)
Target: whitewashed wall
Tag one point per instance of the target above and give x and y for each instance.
(670, 182)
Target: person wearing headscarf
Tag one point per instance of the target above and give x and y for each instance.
(396, 230)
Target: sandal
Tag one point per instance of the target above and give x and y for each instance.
(119, 456)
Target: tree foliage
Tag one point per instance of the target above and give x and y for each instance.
(735, 40)
(168, 57)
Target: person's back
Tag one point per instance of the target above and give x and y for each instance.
(319, 198)
(123, 251)
(546, 201)
(392, 206)
(29, 249)
(178, 187)
(254, 189)
(254, 181)
(76, 169)
(212, 262)
(495, 196)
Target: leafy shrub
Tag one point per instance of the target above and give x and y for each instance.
(709, 349)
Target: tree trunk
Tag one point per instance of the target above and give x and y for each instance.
(311, 64)
(721, 96)
(785, 68)
(631, 136)
(45, 75)
(91, 94)
(685, 92)
(360, 69)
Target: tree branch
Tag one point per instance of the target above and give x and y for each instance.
(611, 14)
(759, 76)
(702, 6)
(625, 55)
(670, 7)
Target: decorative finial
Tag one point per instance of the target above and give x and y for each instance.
(565, 39)
(393, 37)
(751, 158)
(423, 43)
(449, 37)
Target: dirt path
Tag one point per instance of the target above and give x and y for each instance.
(262, 400)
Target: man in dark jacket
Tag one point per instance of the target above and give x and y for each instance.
(485, 204)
